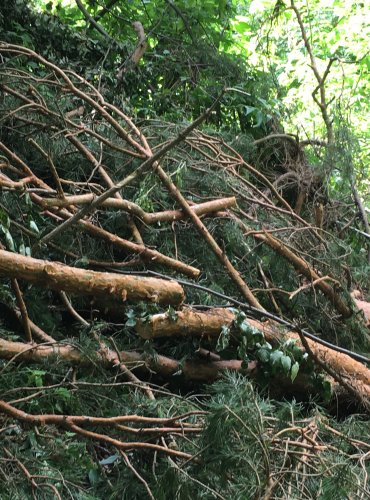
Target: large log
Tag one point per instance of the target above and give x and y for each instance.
(196, 370)
(109, 286)
(209, 324)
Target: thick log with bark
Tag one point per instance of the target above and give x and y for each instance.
(209, 324)
(109, 286)
(196, 370)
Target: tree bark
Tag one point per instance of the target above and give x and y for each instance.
(111, 286)
(134, 209)
(196, 370)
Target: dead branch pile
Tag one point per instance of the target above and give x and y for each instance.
(53, 109)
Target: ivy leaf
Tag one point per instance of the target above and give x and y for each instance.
(276, 356)
(294, 371)
(34, 227)
(223, 339)
(171, 314)
(130, 322)
(263, 354)
(244, 328)
(286, 363)
(109, 460)
(131, 318)
(9, 241)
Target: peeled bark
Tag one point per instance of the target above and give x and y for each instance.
(109, 286)
(188, 323)
(85, 199)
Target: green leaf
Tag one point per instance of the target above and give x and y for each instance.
(286, 363)
(9, 241)
(130, 322)
(244, 328)
(326, 390)
(109, 460)
(22, 249)
(248, 110)
(4, 219)
(34, 227)
(93, 476)
(276, 356)
(223, 339)
(244, 365)
(82, 262)
(259, 119)
(172, 314)
(294, 371)
(263, 354)
(63, 393)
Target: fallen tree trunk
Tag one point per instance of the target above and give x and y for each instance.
(210, 323)
(192, 369)
(111, 286)
(196, 370)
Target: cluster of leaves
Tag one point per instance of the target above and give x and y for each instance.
(188, 61)
(29, 214)
(286, 359)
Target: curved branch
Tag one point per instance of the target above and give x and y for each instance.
(93, 22)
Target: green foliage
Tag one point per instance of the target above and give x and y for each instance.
(285, 360)
(235, 451)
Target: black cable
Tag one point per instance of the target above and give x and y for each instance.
(256, 311)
